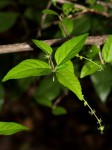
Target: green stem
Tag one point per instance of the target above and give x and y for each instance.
(51, 62)
(63, 26)
(52, 66)
(82, 57)
(92, 112)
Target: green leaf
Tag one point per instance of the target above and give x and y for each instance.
(47, 88)
(31, 14)
(60, 67)
(8, 128)
(50, 12)
(78, 21)
(67, 78)
(25, 83)
(107, 50)
(59, 111)
(7, 20)
(69, 25)
(28, 68)
(102, 81)
(91, 1)
(54, 2)
(88, 68)
(98, 7)
(43, 46)
(92, 51)
(44, 101)
(69, 49)
(67, 8)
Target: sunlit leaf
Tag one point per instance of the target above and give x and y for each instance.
(89, 68)
(28, 68)
(67, 8)
(107, 50)
(54, 2)
(67, 78)
(93, 50)
(50, 12)
(69, 49)
(43, 46)
(8, 128)
(91, 1)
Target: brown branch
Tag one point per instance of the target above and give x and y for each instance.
(12, 48)
(84, 9)
(97, 12)
(101, 58)
(105, 4)
(21, 47)
(79, 13)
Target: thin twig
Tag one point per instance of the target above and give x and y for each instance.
(97, 12)
(100, 56)
(43, 19)
(12, 48)
(105, 4)
(89, 60)
(84, 9)
(21, 47)
(59, 99)
(63, 26)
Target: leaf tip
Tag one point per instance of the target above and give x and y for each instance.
(4, 79)
(86, 35)
(81, 76)
(33, 40)
(26, 128)
(49, 12)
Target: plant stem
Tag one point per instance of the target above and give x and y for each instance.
(82, 57)
(51, 63)
(52, 66)
(100, 56)
(63, 26)
(92, 112)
